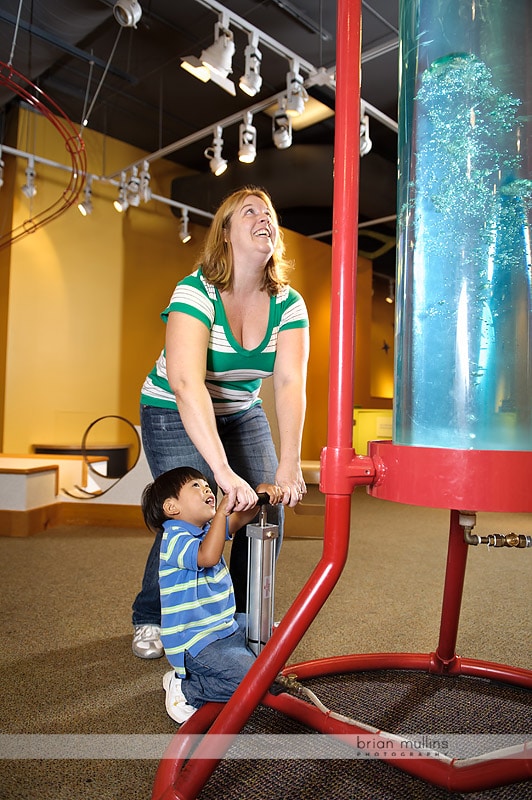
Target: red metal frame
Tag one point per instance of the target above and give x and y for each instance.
(474, 480)
(180, 777)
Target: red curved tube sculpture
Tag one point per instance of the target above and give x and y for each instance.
(74, 145)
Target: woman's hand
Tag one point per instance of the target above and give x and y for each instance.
(292, 485)
(240, 495)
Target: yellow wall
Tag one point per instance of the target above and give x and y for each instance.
(382, 343)
(64, 339)
(85, 294)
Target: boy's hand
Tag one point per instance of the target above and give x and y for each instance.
(274, 492)
(223, 506)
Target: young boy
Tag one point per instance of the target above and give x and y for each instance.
(204, 640)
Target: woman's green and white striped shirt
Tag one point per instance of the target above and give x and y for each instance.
(234, 375)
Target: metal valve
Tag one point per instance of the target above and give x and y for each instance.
(467, 520)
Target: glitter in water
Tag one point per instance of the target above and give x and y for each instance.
(463, 371)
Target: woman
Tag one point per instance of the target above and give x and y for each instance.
(232, 322)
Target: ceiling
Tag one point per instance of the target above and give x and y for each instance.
(130, 82)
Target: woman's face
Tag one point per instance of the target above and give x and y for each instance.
(252, 229)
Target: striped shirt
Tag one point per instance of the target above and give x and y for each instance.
(197, 604)
(234, 374)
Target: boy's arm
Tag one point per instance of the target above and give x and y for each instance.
(211, 548)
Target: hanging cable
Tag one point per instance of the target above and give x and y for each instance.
(86, 98)
(85, 121)
(15, 34)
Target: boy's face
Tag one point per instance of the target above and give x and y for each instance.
(195, 504)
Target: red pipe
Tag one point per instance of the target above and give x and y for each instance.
(345, 227)
(458, 775)
(274, 656)
(424, 662)
(452, 595)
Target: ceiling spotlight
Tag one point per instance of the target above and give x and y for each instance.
(296, 94)
(127, 13)
(217, 163)
(247, 135)
(29, 188)
(215, 63)
(85, 207)
(251, 81)
(193, 65)
(144, 187)
(133, 188)
(218, 57)
(282, 127)
(365, 142)
(184, 233)
(121, 203)
(390, 297)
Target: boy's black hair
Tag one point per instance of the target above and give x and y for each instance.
(169, 484)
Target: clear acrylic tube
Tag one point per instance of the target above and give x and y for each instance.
(463, 369)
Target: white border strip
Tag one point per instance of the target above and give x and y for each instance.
(465, 749)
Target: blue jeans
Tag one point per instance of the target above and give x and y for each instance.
(250, 451)
(214, 674)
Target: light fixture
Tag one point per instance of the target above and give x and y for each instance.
(281, 127)
(296, 94)
(365, 142)
(390, 297)
(215, 63)
(247, 136)
(184, 233)
(85, 206)
(144, 187)
(251, 80)
(121, 203)
(29, 188)
(127, 13)
(2, 165)
(133, 187)
(217, 163)
(193, 65)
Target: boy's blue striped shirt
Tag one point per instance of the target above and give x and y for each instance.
(197, 604)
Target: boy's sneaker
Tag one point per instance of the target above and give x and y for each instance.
(147, 641)
(176, 703)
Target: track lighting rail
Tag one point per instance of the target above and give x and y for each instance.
(316, 79)
(244, 25)
(56, 165)
(197, 136)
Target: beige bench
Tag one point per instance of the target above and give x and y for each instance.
(306, 519)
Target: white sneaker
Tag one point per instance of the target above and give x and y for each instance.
(147, 641)
(176, 703)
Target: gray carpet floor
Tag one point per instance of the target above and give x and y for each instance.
(66, 666)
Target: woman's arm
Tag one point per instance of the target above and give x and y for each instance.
(186, 357)
(289, 383)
